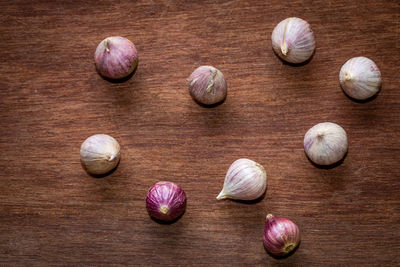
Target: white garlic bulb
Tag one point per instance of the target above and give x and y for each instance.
(325, 143)
(360, 78)
(293, 40)
(100, 153)
(245, 180)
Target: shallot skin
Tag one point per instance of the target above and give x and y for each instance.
(116, 57)
(166, 201)
(281, 235)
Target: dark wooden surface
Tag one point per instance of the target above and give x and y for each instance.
(51, 99)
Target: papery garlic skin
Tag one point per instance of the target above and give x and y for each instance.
(245, 180)
(166, 201)
(325, 143)
(207, 85)
(281, 235)
(116, 57)
(360, 78)
(100, 153)
(293, 40)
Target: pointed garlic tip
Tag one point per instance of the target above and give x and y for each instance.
(360, 78)
(106, 45)
(221, 195)
(112, 157)
(211, 81)
(244, 180)
(284, 49)
(325, 143)
(269, 216)
(293, 40)
(262, 169)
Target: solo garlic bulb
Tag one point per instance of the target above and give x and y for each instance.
(116, 57)
(281, 235)
(100, 153)
(166, 201)
(325, 143)
(293, 40)
(360, 78)
(245, 180)
(207, 85)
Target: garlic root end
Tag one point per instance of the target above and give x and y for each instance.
(164, 210)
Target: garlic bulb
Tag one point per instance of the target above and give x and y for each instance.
(360, 78)
(245, 180)
(166, 201)
(116, 57)
(325, 143)
(100, 153)
(207, 85)
(293, 40)
(281, 235)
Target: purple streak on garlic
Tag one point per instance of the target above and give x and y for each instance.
(325, 143)
(207, 85)
(166, 201)
(293, 40)
(100, 153)
(245, 180)
(281, 235)
(360, 78)
(116, 57)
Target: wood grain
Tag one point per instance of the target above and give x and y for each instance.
(52, 99)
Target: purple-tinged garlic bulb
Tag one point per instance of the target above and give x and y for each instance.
(116, 57)
(100, 153)
(360, 78)
(281, 235)
(245, 180)
(293, 40)
(325, 143)
(207, 85)
(166, 201)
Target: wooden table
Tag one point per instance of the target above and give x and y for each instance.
(51, 99)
